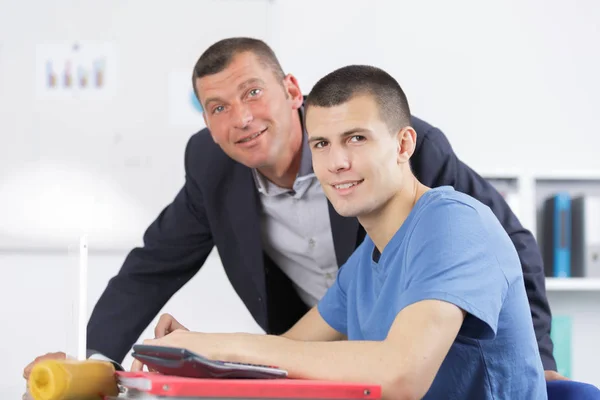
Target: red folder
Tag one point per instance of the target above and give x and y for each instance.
(173, 386)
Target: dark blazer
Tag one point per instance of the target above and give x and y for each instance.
(219, 206)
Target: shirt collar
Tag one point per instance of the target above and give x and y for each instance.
(306, 167)
(304, 172)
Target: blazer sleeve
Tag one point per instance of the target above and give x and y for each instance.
(176, 245)
(436, 164)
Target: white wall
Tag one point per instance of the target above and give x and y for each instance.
(513, 84)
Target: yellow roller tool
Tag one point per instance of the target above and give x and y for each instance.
(72, 380)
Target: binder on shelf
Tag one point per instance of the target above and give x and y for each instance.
(557, 235)
(586, 236)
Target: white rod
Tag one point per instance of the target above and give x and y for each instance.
(82, 308)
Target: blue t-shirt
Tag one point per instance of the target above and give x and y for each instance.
(450, 248)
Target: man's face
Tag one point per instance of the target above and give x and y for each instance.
(249, 110)
(355, 157)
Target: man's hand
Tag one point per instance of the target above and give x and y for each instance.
(554, 376)
(179, 338)
(48, 356)
(166, 333)
(167, 324)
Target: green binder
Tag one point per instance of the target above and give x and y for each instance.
(561, 334)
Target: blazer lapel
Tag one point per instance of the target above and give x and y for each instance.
(243, 209)
(345, 234)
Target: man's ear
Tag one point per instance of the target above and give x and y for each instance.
(292, 90)
(407, 141)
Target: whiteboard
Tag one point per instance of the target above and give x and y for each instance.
(103, 162)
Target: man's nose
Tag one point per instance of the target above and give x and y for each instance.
(243, 116)
(338, 159)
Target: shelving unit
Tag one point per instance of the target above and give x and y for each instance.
(525, 192)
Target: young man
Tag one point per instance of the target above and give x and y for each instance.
(432, 304)
(250, 191)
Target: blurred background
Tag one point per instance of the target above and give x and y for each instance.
(96, 107)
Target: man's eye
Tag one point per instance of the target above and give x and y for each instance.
(218, 109)
(320, 144)
(357, 138)
(254, 92)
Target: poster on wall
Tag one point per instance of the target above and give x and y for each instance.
(184, 108)
(76, 69)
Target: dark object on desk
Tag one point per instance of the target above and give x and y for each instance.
(181, 362)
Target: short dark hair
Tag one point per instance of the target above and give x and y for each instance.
(220, 54)
(347, 82)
